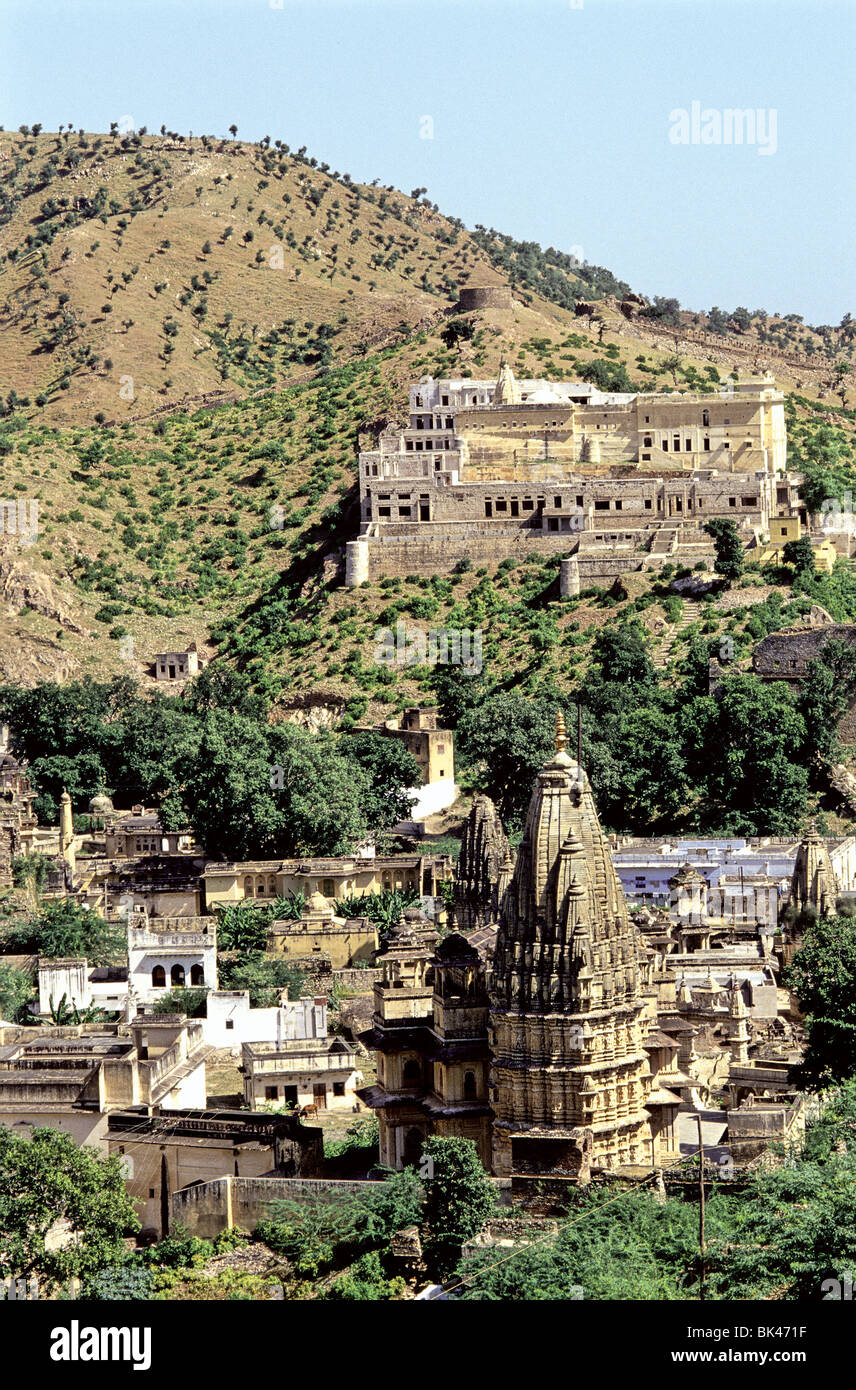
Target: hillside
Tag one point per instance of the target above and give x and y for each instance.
(198, 335)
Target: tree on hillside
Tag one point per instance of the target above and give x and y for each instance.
(49, 1181)
(391, 769)
(456, 690)
(64, 928)
(826, 692)
(16, 991)
(800, 556)
(822, 975)
(740, 746)
(622, 654)
(672, 364)
(459, 1197)
(234, 809)
(729, 547)
(505, 741)
(325, 794)
(257, 791)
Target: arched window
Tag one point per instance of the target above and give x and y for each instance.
(248, 887)
(469, 1085)
(158, 977)
(197, 975)
(705, 417)
(412, 1074)
(176, 976)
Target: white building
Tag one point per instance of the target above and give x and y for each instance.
(230, 1021)
(167, 953)
(744, 876)
(320, 1072)
(82, 986)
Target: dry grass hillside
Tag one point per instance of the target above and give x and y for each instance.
(197, 332)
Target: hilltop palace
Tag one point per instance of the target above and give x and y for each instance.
(613, 482)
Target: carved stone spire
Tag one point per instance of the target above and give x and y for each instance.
(566, 982)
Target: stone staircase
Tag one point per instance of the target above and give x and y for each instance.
(661, 654)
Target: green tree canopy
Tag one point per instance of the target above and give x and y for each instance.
(728, 545)
(391, 769)
(822, 974)
(64, 928)
(46, 1180)
(459, 1197)
(799, 555)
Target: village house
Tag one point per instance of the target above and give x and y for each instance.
(344, 877)
(434, 750)
(139, 833)
(738, 880)
(177, 666)
(187, 1148)
(319, 1072)
(319, 932)
(70, 1078)
(168, 953)
(230, 1021)
(81, 986)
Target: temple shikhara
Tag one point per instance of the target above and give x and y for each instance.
(569, 1071)
(540, 1058)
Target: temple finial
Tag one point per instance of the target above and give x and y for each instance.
(561, 733)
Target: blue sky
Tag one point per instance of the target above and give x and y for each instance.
(551, 118)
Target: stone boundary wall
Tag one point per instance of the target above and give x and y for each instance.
(208, 1208)
(799, 647)
(361, 980)
(426, 557)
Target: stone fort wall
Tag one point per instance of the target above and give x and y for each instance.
(484, 297)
